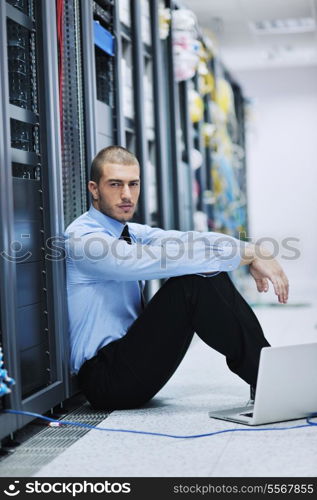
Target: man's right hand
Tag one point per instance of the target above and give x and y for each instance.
(264, 268)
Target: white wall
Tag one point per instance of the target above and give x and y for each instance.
(282, 166)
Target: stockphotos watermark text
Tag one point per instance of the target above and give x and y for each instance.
(62, 487)
(96, 248)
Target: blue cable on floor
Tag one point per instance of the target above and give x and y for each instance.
(59, 423)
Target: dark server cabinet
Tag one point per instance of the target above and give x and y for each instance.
(129, 87)
(104, 60)
(186, 144)
(208, 201)
(239, 101)
(72, 115)
(180, 139)
(142, 108)
(89, 120)
(8, 423)
(100, 72)
(86, 50)
(33, 326)
(161, 123)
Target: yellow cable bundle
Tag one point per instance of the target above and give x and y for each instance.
(208, 130)
(206, 84)
(217, 181)
(224, 96)
(196, 106)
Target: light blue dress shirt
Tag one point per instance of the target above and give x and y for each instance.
(103, 273)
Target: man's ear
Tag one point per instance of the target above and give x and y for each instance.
(93, 188)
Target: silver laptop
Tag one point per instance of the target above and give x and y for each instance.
(286, 387)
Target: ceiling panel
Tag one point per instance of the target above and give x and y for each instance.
(229, 21)
(259, 9)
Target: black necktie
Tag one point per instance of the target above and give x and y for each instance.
(125, 235)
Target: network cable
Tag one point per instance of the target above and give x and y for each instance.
(5, 381)
(59, 423)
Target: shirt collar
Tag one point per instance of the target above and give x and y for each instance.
(115, 226)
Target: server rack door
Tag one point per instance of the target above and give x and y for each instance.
(72, 116)
(124, 88)
(8, 423)
(209, 195)
(99, 63)
(36, 307)
(89, 120)
(175, 148)
(186, 145)
(104, 58)
(165, 215)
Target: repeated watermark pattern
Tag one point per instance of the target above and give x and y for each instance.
(96, 247)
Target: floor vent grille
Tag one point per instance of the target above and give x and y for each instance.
(40, 447)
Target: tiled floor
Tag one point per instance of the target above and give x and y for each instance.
(201, 383)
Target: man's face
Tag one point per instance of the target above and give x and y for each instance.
(118, 191)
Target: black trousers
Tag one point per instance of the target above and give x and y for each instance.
(128, 372)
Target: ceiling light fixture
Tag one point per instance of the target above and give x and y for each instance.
(283, 26)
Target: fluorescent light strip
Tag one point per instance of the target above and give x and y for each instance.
(283, 26)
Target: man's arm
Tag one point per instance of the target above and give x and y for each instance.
(99, 256)
(155, 235)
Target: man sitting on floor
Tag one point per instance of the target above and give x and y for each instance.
(125, 351)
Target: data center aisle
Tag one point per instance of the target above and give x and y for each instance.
(201, 383)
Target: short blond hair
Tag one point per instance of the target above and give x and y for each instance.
(112, 154)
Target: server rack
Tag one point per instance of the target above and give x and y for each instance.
(90, 118)
(186, 141)
(209, 197)
(87, 97)
(150, 127)
(192, 137)
(32, 267)
(240, 141)
(175, 156)
(8, 423)
(72, 117)
(104, 57)
(203, 174)
(142, 107)
(199, 174)
(237, 138)
(164, 179)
